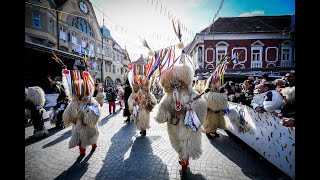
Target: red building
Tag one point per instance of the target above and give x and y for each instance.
(262, 44)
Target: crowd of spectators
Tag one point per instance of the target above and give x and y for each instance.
(263, 95)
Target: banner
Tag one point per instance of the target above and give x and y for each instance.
(51, 100)
(264, 133)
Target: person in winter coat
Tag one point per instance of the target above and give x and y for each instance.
(127, 93)
(268, 99)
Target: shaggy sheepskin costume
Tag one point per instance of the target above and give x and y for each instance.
(216, 103)
(83, 111)
(100, 96)
(177, 102)
(143, 101)
(133, 95)
(35, 100)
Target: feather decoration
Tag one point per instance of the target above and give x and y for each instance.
(178, 33)
(58, 60)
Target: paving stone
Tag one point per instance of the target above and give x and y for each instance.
(123, 154)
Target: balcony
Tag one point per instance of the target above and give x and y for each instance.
(286, 64)
(256, 64)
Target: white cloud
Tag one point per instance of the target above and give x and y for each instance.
(252, 13)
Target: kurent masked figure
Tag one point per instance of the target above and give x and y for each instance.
(142, 101)
(183, 110)
(100, 96)
(216, 103)
(83, 112)
(34, 102)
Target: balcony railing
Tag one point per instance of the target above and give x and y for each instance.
(256, 64)
(286, 64)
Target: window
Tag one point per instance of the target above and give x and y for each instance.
(36, 20)
(255, 55)
(91, 45)
(221, 51)
(63, 33)
(74, 38)
(285, 54)
(98, 49)
(82, 25)
(121, 70)
(200, 55)
(51, 26)
(84, 42)
(220, 55)
(114, 68)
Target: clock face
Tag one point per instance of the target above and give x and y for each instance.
(83, 7)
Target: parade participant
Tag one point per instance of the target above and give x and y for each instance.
(181, 112)
(141, 101)
(83, 111)
(100, 95)
(216, 103)
(34, 102)
(144, 102)
(121, 96)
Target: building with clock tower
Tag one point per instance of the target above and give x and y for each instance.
(70, 29)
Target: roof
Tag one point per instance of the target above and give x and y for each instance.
(105, 32)
(251, 24)
(141, 60)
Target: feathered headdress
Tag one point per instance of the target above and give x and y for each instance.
(145, 44)
(178, 33)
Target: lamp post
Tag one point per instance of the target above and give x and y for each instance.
(102, 81)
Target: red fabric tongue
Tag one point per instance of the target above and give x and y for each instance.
(178, 106)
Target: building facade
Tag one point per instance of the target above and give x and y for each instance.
(72, 26)
(257, 44)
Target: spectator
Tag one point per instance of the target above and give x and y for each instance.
(264, 78)
(111, 97)
(290, 78)
(279, 84)
(288, 113)
(127, 92)
(267, 100)
(247, 91)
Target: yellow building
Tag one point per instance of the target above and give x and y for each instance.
(72, 27)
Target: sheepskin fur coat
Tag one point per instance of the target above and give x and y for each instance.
(216, 102)
(83, 113)
(146, 102)
(34, 102)
(185, 142)
(100, 96)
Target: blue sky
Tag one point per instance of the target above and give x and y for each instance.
(150, 19)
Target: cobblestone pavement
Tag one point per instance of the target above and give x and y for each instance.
(123, 154)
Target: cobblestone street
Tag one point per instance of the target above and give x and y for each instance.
(123, 154)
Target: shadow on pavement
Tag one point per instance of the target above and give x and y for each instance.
(142, 163)
(252, 164)
(59, 139)
(190, 176)
(120, 143)
(107, 118)
(31, 139)
(77, 170)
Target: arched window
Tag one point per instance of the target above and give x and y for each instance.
(82, 25)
